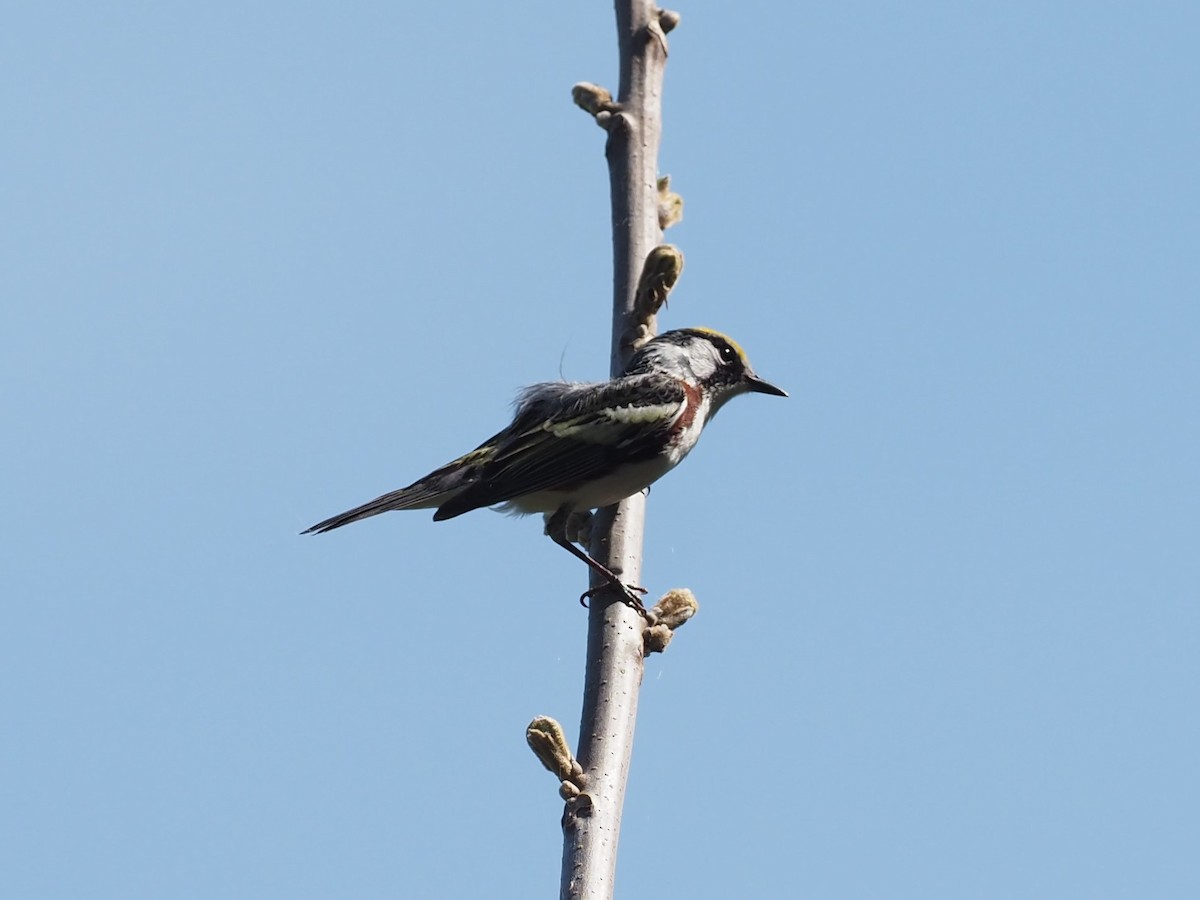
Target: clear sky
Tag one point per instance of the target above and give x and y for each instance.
(261, 262)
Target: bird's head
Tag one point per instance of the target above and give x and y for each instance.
(713, 361)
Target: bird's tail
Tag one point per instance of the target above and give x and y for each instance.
(428, 493)
(405, 498)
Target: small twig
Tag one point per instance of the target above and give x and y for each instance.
(672, 611)
(670, 204)
(548, 742)
(660, 271)
(596, 101)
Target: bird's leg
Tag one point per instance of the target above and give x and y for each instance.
(556, 530)
(578, 527)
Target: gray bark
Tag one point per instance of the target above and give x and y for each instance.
(614, 644)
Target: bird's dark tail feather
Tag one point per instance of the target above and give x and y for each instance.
(416, 496)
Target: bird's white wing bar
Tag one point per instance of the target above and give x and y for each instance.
(592, 431)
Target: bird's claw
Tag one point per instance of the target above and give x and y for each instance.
(630, 597)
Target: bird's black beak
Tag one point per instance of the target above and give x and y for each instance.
(758, 386)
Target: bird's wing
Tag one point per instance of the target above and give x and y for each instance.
(564, 435)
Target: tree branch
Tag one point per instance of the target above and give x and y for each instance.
(615, 631)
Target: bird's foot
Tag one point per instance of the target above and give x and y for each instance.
(630, 596)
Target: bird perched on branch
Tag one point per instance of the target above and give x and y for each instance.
(574, 447)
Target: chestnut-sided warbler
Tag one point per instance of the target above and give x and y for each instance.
(574, 447)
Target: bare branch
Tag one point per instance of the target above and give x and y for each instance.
(615, 644)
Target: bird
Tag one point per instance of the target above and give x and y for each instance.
(573, 447)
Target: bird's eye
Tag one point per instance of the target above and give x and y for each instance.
(727, 354)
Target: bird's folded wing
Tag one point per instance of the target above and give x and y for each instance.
(565, 435)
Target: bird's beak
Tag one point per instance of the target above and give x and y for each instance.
(758, 386)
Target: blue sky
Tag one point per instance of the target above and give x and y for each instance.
(260, 263)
